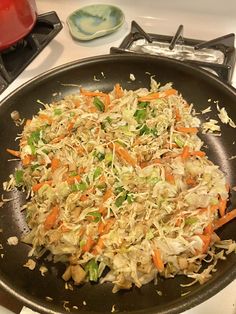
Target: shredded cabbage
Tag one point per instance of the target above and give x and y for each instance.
(112, 186)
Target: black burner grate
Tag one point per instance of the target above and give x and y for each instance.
(16, 58)
(222, 45)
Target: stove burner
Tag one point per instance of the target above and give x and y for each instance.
(216, 56)
(15, 59)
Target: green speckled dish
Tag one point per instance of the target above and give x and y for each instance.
(94, 21)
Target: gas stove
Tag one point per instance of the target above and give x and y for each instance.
(16, 58)
(216, 55)
(203, 21)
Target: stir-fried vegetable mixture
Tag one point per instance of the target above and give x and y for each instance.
(120, 180)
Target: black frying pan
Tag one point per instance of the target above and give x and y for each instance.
(29, 286)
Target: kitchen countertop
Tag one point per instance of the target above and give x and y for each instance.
(168, 15)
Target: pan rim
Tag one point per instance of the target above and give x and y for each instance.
(71, 64)
(178, 306)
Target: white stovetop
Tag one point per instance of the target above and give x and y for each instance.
(201, 19)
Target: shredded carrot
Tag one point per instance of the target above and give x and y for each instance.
(81, 231)
(13, 152)
(227, 186)
(123, 153)
(23, 142)
(102, 179)
(70, 126)
(206, 239)
(223, 202)
(88, 245)
(157, 260)
(190, 181)
(80, 150)
(169, 177)
(158, 95)
(45, 117)
(208, 229)
(118, 91)
(102, 210)
(101, 227)
(177, 114)
(83, 197)
(76, 103)
(178, 222)
(28, 121)
(37, 186)
(55, 163)
(213, 208)
(100, 243)
(222, 206)
(57, 139)
(71, 180)
(198, 153)
(91, 94)
(98, 247)
(97, 129)
(64, 228)
(107, 195)
(107, 101)
(185, 153)
(226, 218)
(81, 170)
(27, 160)
(51, 218)
(92, 109)
(144, 164)
(108, 225)
(99, 94)
(183, 129)
(168, 145)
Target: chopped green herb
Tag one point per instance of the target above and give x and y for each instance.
(92, 269)
(191, 220)
(73, 173)
(33, 140)
(82, 186)
(82, 243)
(96, 215)
(144, 130)
(154, 132)
(72, 114)
(100, 156)
(130, 198)
(19, 177)
(102, 187)
(99, 104)
(119, 189)
(109, 157)
(149, 234)
(97, 173)
(179, 142)
(143, 104)
(103, 126)
(33, 148)
(57, 111)
(120, 199)
(140, 115)
(87, 180)
(35, 136)
(46, 151)
(109, 119)
(154, 180)
(34, 167)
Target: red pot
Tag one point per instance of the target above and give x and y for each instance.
(17, 18)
